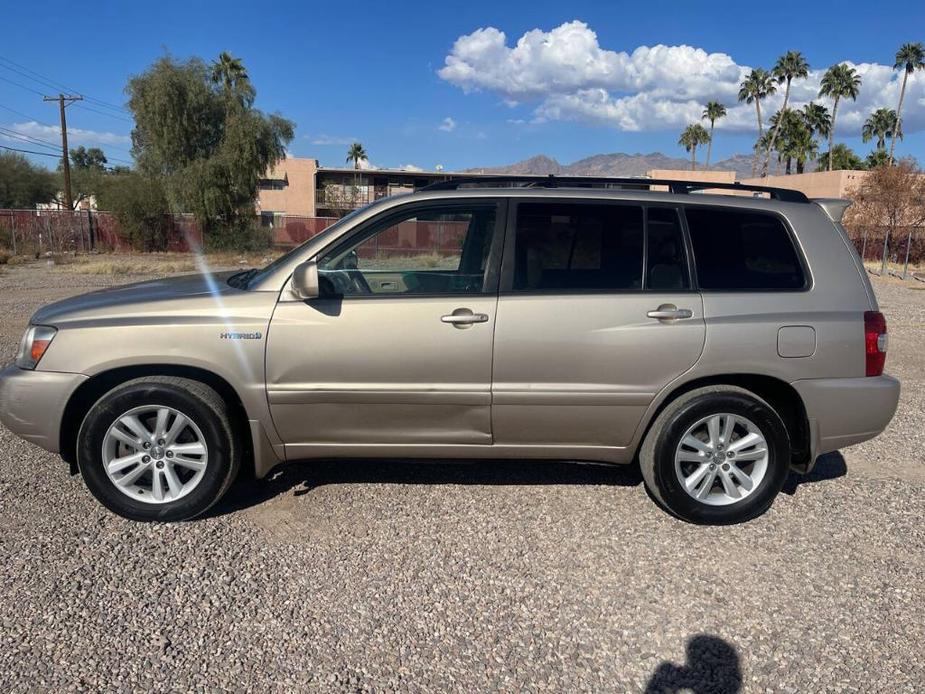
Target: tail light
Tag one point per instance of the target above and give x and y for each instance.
(875, 342)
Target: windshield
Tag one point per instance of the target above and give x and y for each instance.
(247, 278)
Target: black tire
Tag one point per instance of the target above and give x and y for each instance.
(657, 454)
(195, 400)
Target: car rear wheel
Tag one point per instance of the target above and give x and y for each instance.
(158, 448)
(716, 455)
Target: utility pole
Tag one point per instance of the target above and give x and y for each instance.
(63, 102)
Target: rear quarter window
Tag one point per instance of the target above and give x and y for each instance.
(736, 249)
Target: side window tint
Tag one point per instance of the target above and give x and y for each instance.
(587, 246)
(666, 261)
(743, 250)
(437, 251)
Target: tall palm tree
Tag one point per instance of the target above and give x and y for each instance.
(758, 84)
(817, 119)
(713, 112)
(839, 81)
(356, 154)
(802, 146)
(880, 124)
(230, 73)
(909, 58)
(790, 66)
(693, 136)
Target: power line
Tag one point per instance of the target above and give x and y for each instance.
(26, 137)
(104, 113)
(26, 115)
(29, 151)
(29, 73)
(65, 155)
(21, 86)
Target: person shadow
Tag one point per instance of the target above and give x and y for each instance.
(712, 667)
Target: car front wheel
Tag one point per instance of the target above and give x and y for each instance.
(158, 448)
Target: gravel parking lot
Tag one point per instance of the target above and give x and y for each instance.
(378, 576)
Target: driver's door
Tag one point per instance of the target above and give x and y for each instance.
(398, 348)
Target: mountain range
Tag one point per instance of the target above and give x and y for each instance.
(617, 164)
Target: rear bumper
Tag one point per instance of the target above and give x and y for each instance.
(32, 403)
(845, 411)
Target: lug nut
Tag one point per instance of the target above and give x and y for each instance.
(160, 442)
(146, 459)
(170, 454)
(147, 445)
(159, 464)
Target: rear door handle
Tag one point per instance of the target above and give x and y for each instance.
(463, 317)
(670, 312)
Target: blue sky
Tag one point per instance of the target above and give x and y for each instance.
(378, 72)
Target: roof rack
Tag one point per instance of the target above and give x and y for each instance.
(674, 186)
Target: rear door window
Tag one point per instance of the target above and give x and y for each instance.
(567, 246)
(736, 249)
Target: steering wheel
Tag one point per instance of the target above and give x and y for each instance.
(346, 282)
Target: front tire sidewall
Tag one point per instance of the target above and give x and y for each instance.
(670, 489)
(114, 405)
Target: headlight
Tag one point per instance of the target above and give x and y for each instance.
(33, 345)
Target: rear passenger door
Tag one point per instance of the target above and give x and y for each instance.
(596, 314)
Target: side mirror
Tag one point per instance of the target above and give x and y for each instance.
(305, 280)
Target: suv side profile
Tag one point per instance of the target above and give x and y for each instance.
(721, 340)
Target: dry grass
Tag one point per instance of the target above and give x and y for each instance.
(119, 264)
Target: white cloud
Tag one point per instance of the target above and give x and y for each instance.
(410, 167)
(75, 136)
(567, 75)
(448, 125)
(324, 140)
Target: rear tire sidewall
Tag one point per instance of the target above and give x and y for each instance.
(665, 478)
(121, 400)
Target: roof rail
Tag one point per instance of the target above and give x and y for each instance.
(673, 185)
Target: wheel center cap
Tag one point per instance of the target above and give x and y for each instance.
(157, 452)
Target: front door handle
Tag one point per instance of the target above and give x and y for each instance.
(670, 312)
(464, 317)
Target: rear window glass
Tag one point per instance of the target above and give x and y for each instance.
(743, 250)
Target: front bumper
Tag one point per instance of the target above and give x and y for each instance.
(32, 403)
(846, 411)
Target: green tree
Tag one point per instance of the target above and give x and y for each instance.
(758, 84)
(22, 183)
(92, 158)
(713, 112)
(880, 124)
(356, 154)
(842, 157)
(840, 81)
(909, 58)
(817, 119)
(791, 128)
(879, 157)
(207, 150)
(693, 136)
(140, 205)
(790, 66)
(229, 73)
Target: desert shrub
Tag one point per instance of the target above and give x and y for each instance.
(5, 256)
(140, 206)
(243, 234)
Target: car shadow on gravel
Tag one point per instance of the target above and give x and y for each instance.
(712, 667)
(301, 478)
(828, 467)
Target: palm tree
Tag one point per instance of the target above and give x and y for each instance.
(843, 157)
(693, 136)
(803, 147)
(879, 157)
(839, 81)
(880, 124)
(789, 124)
(758, 84)
(230, 73)
(791, 65)
(356, 154)
(713, 112)
(909, 58)
(817, 119)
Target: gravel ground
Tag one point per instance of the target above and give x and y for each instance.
(377, 576)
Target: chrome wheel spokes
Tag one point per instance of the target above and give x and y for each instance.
(721, 459)
(154, 454)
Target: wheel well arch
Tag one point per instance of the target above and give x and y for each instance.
(96, 386)
(783, 397)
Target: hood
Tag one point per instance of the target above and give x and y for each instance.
(140, 297)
